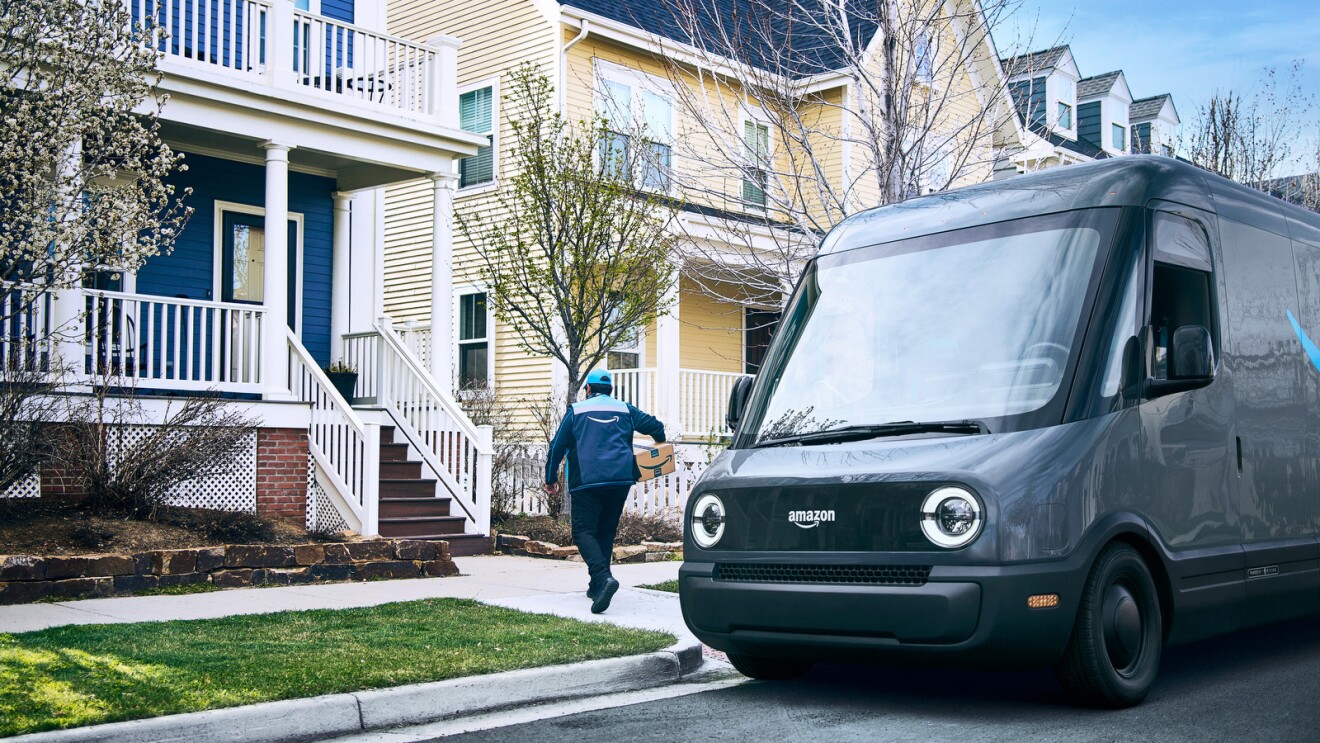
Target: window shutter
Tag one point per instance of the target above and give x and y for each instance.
(476, 114)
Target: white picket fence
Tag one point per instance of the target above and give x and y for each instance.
(662, 496)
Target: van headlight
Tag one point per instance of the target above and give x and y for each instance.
(708, 520)
(951, 517)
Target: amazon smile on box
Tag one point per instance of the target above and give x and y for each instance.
(656, 461)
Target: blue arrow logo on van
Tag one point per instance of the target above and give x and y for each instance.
(1309, 345)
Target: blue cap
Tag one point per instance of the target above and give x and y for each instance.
(600, 378)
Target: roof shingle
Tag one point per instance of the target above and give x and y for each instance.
(1033, 62)
(1095, 85)
(1147, 108)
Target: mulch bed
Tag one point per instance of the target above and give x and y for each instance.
(39, 527)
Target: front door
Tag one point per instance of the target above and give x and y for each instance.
(243, 262)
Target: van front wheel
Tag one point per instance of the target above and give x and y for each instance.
(769, 669)
(1114, 652)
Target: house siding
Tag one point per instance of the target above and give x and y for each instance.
(1029, 96)
(1088, 122)
(340, 10)
(189, 270)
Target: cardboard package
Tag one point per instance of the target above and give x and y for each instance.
(655, 461)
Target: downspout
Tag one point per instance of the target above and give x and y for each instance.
(563, 64)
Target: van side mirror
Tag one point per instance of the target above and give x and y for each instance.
(1191, 362)
(1192, 355)
(738, 402)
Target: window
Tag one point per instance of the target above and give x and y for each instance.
(924, 66)
(632, 109)
(473, 342)
(1065, 116)
(1167, 150)
(1120, 138)
(476, 114)
(1180, 294)
(756, 151)
(627, 353)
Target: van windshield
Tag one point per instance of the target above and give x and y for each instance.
(977, 325)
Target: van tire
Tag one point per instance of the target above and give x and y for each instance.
(1114, 652)
(769, 669)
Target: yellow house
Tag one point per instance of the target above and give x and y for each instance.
(681, 367)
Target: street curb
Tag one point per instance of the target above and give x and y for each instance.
(332, 715)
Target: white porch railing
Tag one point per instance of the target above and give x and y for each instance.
(24, 326)
(417, 338)
(346, 449)
(457, 452)
(167, 343)
(636, 386)
(269, 41)
(703, 401)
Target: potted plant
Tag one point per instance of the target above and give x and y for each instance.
(344, 377)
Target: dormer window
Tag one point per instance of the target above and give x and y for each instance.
(1065, 116)
(1120, 137)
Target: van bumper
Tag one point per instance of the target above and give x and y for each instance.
(962, 615)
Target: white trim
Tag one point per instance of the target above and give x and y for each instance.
(492, 82)
(219, 154)
(218, 250)
(639, 82)
(465, 291)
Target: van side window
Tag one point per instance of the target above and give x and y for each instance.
(1180, 287)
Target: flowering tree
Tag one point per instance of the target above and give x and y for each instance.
(82, 168)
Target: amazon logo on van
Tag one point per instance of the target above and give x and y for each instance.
(1307, 344)
(809, 519)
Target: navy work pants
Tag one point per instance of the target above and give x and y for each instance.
(596, 513)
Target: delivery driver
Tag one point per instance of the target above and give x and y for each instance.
(597, 434)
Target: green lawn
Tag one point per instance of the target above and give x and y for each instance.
(84, 675)
(669, 585)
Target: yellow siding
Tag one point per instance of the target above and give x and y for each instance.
(710, 332)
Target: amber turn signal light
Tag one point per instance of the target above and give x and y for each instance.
(1043, 601)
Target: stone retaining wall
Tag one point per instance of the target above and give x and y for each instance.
(644, 552)
(25, 578)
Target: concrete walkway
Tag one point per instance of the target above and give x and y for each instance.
(524, 583)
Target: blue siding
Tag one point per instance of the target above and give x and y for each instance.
(1088, 122)
(1029, 96)
(188, 271)
(340, 10)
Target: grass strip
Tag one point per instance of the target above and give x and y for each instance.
(88, 674)
(670, 585)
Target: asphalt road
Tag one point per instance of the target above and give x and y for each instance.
(1258, 685)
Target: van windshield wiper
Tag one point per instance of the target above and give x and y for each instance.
(875, 431)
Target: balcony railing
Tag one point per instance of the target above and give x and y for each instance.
(703, 401)
(270, 42)
(173, 344)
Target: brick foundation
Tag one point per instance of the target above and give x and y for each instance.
(282, 473)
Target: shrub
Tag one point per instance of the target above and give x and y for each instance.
(232, 527)
(633, 529)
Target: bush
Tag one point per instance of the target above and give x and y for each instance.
(539, 528)
(231, 527)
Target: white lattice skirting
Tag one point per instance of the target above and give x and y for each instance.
(322, 516)
(232, 488)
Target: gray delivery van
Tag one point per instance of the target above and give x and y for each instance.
(1065, 419)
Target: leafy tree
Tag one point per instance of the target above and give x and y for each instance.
(82, 168)
(574, 255)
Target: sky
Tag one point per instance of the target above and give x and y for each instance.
(1189, 48)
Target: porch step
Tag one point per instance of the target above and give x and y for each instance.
(406, 507)
(393, 452)
(401, 470)
(387, 434)
(443, 527)
(407, 488)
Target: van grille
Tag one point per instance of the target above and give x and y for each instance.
(874, 575)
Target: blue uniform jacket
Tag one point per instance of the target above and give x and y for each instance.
(596, 435)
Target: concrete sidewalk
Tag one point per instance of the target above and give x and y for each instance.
(523, 583)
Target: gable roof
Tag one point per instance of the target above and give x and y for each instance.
(1095, 85)
(1041, 61)
(1149, 108)
(764, 34)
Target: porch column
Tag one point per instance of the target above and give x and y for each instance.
(341, 274)
(669, 393)
(442, 279)
(274, 351)
(68, 305)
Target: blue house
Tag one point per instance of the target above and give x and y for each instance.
(293, 116)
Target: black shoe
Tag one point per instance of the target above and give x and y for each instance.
(592, 592)
(602, 601)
